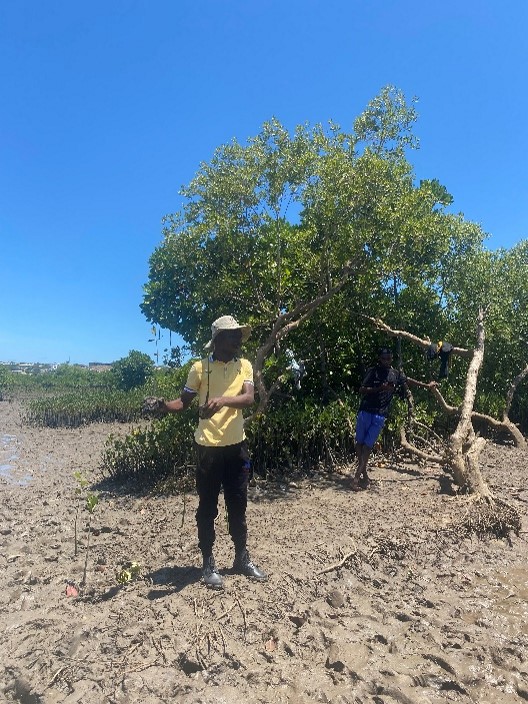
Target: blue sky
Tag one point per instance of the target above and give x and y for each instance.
(109, 107)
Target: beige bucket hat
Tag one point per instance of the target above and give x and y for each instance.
(227, 322)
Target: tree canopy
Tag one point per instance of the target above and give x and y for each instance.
(276, 221)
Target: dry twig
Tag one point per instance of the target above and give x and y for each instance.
(339, 564)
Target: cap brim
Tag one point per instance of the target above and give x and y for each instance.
(245, 329)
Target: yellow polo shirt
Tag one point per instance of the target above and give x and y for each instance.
(226, 427)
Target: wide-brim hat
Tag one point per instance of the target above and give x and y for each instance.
(227, 322)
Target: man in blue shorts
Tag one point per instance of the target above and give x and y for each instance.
(377, 389)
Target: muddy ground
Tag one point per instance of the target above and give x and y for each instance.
(370, 598)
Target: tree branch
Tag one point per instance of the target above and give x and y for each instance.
(433, 388)
(504, 425)
(282, 326)
(424, 343)
(513, 388)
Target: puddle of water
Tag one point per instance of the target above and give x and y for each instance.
(7, 469)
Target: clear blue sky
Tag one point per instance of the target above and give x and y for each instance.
(109, 107)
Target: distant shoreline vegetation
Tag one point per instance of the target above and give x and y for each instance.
(72, 395)
(46, 367)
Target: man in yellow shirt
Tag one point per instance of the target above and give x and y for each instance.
(223, 383)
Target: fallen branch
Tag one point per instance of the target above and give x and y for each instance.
(243, 616)
(338, 564)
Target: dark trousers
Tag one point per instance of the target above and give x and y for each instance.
(218, 467)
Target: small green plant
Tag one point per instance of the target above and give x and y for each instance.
(90, 502)
(128, 573)
(82, 483)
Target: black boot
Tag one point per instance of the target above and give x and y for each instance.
(243, 565)
(210, 574)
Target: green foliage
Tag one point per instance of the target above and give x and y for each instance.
(82, 482)
(65, 378)
(133, 370)
(106, 404)
(73, 410)
(91, 502)
(267, 224)
(293, 437)
(148, 455)
(300, 436)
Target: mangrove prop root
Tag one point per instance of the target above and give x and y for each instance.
(490, 516)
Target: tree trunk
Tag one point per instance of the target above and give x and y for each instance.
(464, 447)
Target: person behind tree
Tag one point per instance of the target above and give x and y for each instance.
(223, 383)
(377, 390)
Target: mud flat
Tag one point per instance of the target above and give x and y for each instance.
(369, 598)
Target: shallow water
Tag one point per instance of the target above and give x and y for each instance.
(8, 458)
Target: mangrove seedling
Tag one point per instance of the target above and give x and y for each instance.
(91, 502)
(82, 483)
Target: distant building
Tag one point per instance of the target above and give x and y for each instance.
(99, 366)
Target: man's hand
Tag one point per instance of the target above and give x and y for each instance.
(153, 406)
(211, 407)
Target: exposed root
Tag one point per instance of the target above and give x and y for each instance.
(391, 548)
(341, 563)
(489, 516)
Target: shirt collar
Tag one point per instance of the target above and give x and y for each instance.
(211, 359)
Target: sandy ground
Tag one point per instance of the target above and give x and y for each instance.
(410, 616)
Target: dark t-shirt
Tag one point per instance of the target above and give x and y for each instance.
(379, 402)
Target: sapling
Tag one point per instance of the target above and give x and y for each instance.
(91, 502)
(79, 490)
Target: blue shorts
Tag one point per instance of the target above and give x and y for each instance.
(368, 428)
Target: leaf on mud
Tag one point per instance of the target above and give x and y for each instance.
(71, 589)
(271, 645)
(128, 573)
